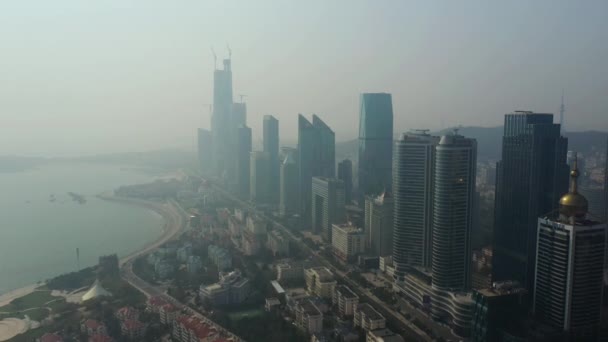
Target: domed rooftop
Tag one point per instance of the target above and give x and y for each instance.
(573, 204)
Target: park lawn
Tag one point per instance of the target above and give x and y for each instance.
(245, 314)
(33, 300)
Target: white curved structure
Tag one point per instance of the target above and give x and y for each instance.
(96, 291)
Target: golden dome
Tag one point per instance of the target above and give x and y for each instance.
(573, 204)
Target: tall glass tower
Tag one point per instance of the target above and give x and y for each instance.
(375, 143)
(531, 177)
(454, 192)
(345, 174)
(221, 121)
(243, 160)
(271, 146)
(413, 184)
(288, 203)
(316, 158)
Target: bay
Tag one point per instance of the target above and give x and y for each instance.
(41, 225)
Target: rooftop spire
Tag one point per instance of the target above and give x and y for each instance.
(573, 205)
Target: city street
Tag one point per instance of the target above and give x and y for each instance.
(408, 329)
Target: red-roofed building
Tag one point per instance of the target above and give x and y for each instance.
(100, 338)
(132, 328)
(168, 313)
(154, 304)
(92, 327)
(126, 312)
(50, 337)
(193, 329)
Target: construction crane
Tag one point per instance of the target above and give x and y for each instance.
(214, 58)
(242, 96)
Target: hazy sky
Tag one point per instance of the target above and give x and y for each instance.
(94, 76)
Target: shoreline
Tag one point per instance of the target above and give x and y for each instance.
(172, 226)
(169, 211)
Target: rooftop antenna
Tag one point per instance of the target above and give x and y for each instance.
(214, 58)
(229, 51)
(242, 96)
(562, 110)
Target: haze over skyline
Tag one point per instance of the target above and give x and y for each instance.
(93, 77)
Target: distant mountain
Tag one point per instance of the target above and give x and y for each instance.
(489, 142)
(586, 141)
(19, 163)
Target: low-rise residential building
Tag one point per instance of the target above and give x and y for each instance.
(168, 313)
(278, 243)
(190, 329)
(231, 289)
(221, 257)
(345, 300)
(126, 312)
(194, 264)
(289, 272)
(163, 269)
(132, 328)
(92, 327)
(254, 236)
(320, 281)
(308, 317)
(50, 337)
(100, 338)
(184, 252)
(272, 304)
(368, 318)
(347, 241)
(154, 304)
(383, 335)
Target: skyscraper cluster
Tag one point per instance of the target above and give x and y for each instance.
(420, 205)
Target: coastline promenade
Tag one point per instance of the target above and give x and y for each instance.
(175, 222)
(173, 215)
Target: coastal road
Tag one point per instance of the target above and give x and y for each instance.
(175, 223)
(174, 216)
(409, 329)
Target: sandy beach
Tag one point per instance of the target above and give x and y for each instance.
(7, 297)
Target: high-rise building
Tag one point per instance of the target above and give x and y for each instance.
(570, 267)
(606, 187)
(413, 187)
(379, 223)
(205, 151)
(327, 205)
(243, 161)
(238, 118)
(221, 119)
(375, 143)
(316, 158)
(531, 177)
(453, 195)
(347, 241)
(288, 203)
(345, 174)
(259, 177)
(271, 146)
(239, 114)
(495, 310)
(454, 191)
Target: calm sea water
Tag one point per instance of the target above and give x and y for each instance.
(38, 237)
